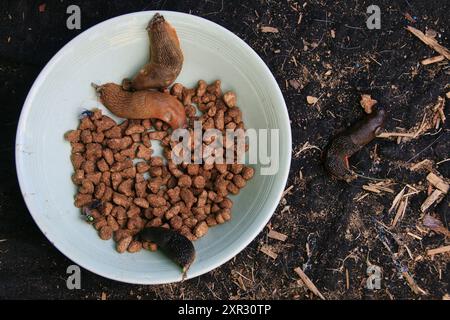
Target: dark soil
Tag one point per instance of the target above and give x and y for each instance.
(344, 235)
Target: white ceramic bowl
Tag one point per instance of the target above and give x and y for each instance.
(110, 51)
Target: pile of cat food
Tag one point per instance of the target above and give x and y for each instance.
(123, 188)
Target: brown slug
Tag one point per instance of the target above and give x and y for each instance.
(176, 246)
(142, 104)
(166, 58)
(350, 141)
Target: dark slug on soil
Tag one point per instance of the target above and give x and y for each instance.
(351, 141)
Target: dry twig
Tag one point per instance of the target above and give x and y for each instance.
(432, 60)
(266, 250)
(308, 283)
(412, 284)
(268, 29)
(432, 117)
(277, 235)
(438, 182)
(306, 146)
(435, 196)
(439, 250)
(431, 42)
(397, 199)
(400, 212)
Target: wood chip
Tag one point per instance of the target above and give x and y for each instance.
(266, 250)
(409, 252)
(277, 235)
(438, 182)
(412, 188)
(439, 250)
(412, 284)
(347, 279)
(400, 212)
(396, 134)
(361, 197)
(436, 196)
(397, 200)
(299, 20)
(308, 283)
(241, 283)
(448, 95)
(311, 99)
(294, 61)
(367, 103)
(268, 29)
(432, 60)
(378, 187)
(295, 84)
(285, 192)
(431, 42)
(424, 164)
(371, 188)
(286, 209)
(385, 189)
(414, 236)
(439, 110)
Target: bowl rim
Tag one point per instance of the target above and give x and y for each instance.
(20, 136)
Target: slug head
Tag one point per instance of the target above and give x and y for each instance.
(366, 129)
(110, 93)
(156, 22)
(158, 25)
